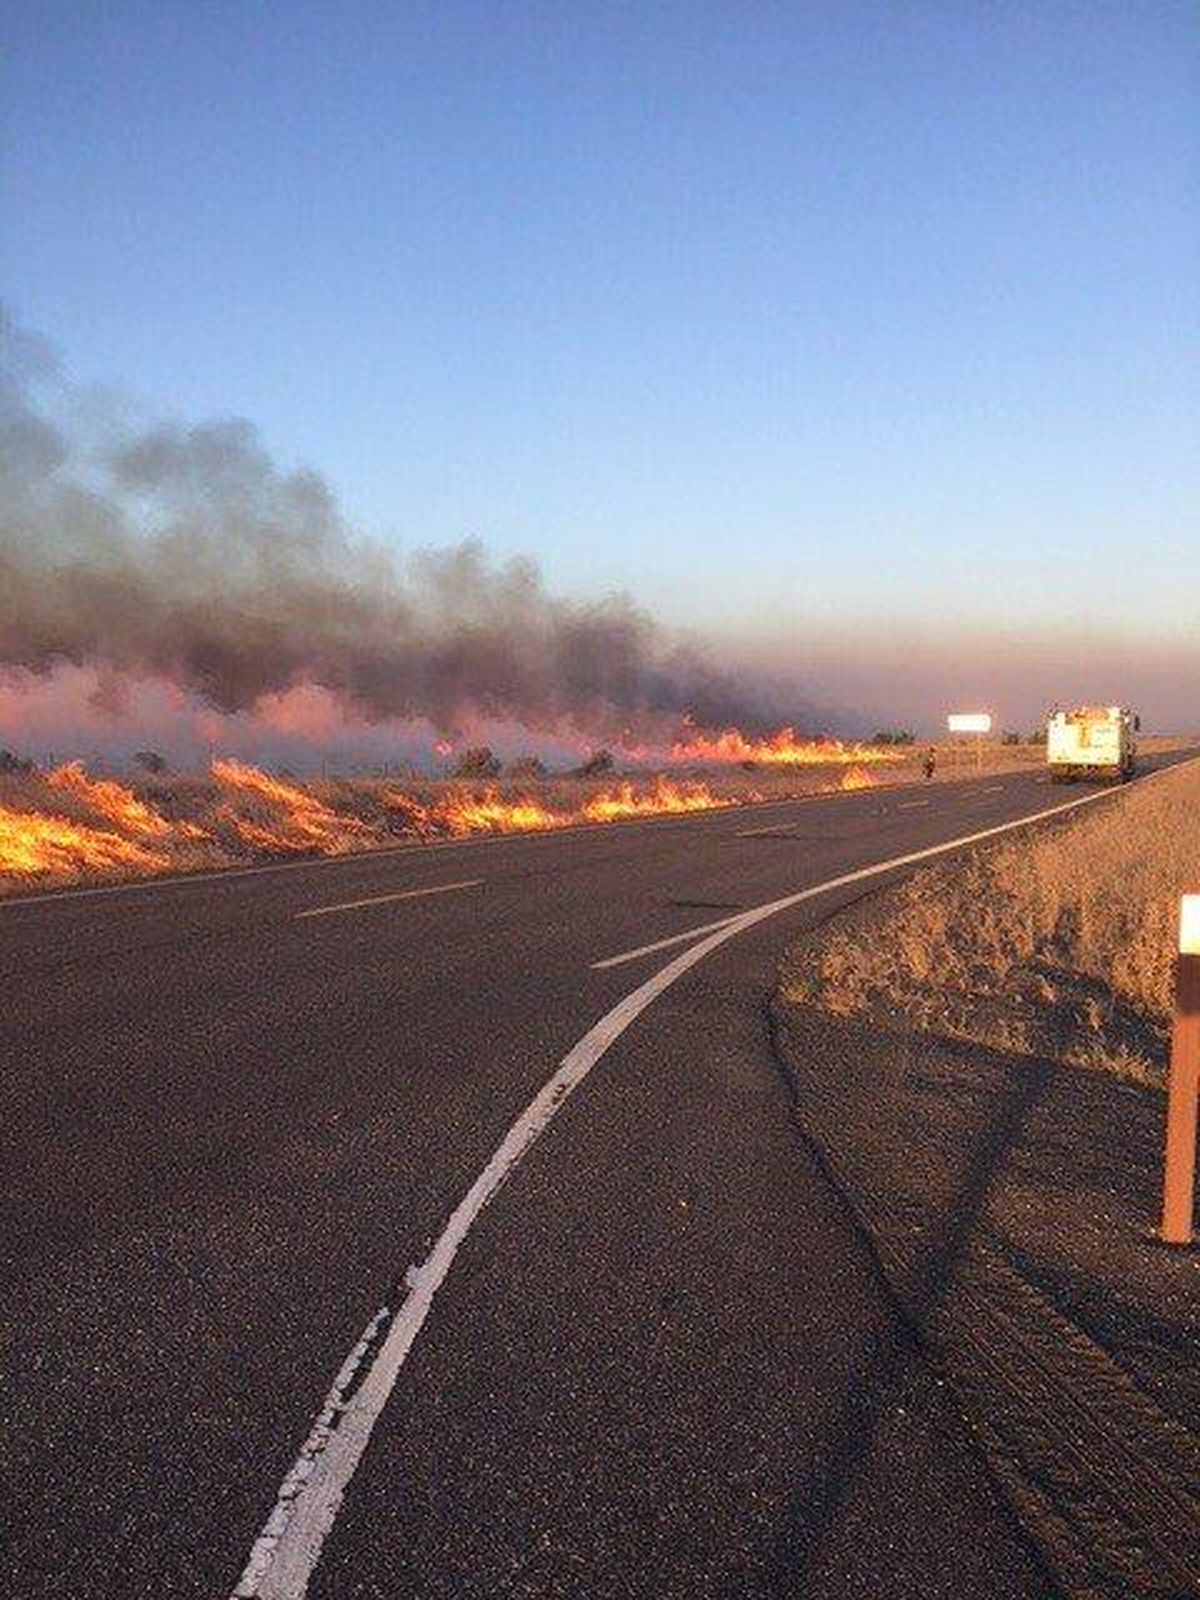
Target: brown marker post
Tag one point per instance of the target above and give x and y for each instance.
(1183, 1095)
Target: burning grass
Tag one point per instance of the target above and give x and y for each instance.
(38, 846)
(1059, 943)
(784, 748)
(64, 827)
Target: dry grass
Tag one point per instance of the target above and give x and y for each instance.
(1059, 942)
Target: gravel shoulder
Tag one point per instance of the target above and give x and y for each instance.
(1009, 1201)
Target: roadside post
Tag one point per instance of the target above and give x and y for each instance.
(1183, 1093)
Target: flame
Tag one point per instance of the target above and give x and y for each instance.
(248, 807)
(489, 813)
(856, 778)
(664, 797)
(32, 844)
(115, 802)
(782, 748)
(465, 812)
(294, 820)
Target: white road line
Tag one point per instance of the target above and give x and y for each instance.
(754, 833)
(996, 788)
(287, 1550)
(382, 899)
(661, 944)
(911, 805)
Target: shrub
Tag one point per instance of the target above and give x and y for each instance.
(527, 766)
(480, 762)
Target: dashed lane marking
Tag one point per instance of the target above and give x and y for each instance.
(384, 899)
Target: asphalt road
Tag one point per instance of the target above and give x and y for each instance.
(661, 1362)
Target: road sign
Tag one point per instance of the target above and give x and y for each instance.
(969, 722)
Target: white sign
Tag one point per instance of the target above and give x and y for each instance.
(1189, 925)
(969, 722)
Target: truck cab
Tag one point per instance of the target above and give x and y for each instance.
(1091, 742)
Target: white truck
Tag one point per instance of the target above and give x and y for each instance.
(1091, 742)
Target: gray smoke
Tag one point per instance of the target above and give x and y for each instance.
(185, 552)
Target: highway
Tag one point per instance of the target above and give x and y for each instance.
(646, 1354)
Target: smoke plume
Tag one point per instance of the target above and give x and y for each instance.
(186, 553)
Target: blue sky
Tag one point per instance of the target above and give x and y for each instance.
(787, 318)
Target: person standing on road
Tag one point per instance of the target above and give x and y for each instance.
(929, 763)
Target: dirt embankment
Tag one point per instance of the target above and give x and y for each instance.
(1010, 1197)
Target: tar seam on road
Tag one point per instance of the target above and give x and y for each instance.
(288, 1548)
(382, 899)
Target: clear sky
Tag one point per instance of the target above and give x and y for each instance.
(787, 318)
